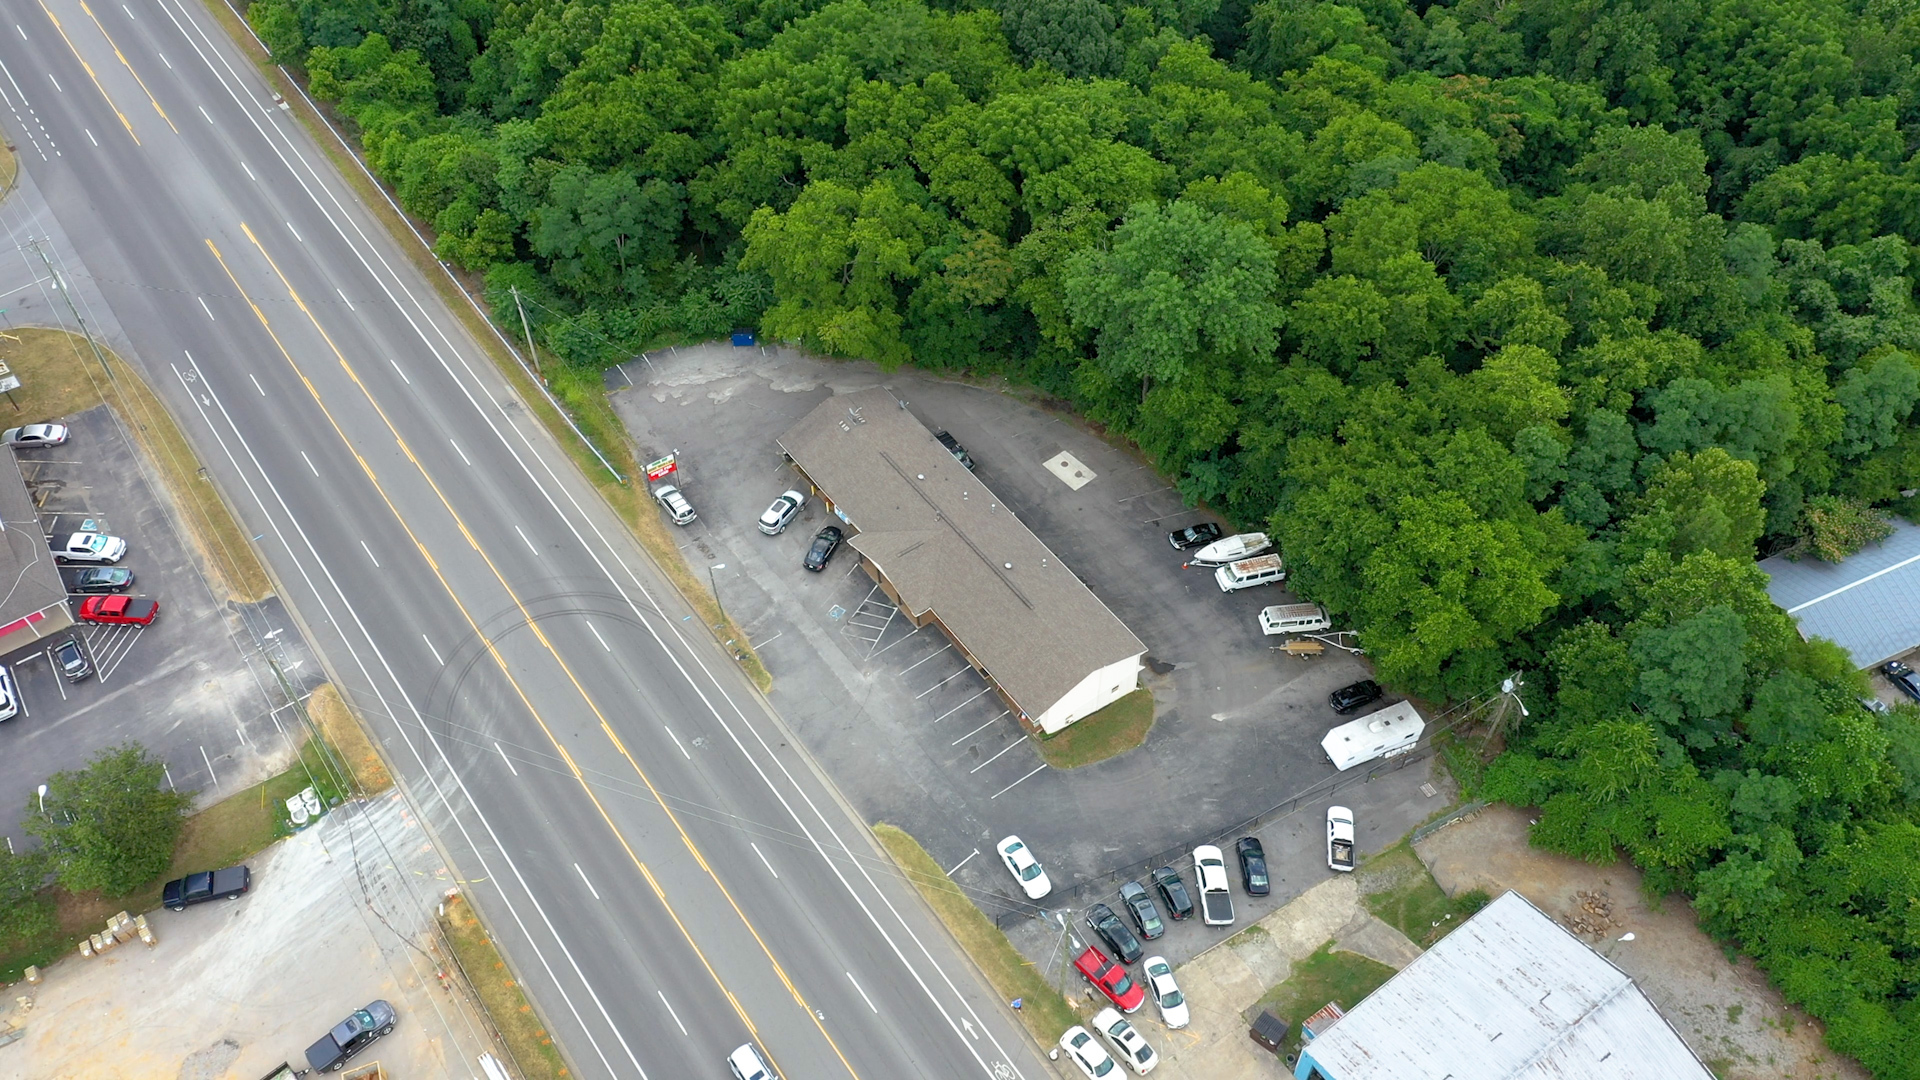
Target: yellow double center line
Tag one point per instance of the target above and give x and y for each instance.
(123, 61)
(89, 70)
(500, 661)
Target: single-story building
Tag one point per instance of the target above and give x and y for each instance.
(33, 599)
(947, 551)
(1868, 602)
(1508, 995)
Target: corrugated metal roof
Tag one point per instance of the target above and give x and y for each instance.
(1509, 995)
(949, 545)
(1869, 603)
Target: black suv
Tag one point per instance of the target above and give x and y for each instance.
(1104, 922)
(1174, 892)
(1350, 697)
(825, 543)
(1194, 536)
(953, 447)
(1902, 677)
(1253, 866)
(1146, 918)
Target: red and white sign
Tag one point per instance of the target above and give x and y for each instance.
(658, 469)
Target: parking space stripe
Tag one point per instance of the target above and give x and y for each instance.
(927, 657)
(942, 683)
(1018, 782)
(978, 730)
(962, 705)
(997, 757)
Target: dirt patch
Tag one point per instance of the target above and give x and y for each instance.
(344, 733)
(1732, 1018)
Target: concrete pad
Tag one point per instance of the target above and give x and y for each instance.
(234, 988)
(1069, 469)
(1377, 940)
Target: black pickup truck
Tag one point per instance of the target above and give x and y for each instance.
(206, 885)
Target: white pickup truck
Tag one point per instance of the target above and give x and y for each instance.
(1210, 870)
(1339, 838)
(87, 547)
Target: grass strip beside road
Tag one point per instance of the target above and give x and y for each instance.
(493, 983)
(581, 393)
(1044, 1011)
(1110, 732)
(60, 376)
(9, 167)
(344, 732)
(228, 832)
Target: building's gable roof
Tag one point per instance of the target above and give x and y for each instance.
(949, 545)
(1869, 602)
(1508, 995)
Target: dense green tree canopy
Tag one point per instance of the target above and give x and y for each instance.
(1526, 326)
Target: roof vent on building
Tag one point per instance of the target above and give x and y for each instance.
(1009, 566)
(855, 413)
(844, 426)
(920, 476)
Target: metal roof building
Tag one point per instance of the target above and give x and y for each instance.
(1869, 602)
(33, 599)
(1509, 995)
(948, 551)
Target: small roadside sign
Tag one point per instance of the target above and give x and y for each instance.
(660, 468)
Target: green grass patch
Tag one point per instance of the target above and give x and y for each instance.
(1398, 890)
(519, 1026)
(1045, 1012)
(1329, 975)
(1112, 731)
(228, 832)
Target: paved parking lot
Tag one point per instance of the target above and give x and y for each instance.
(899, 720)
(193, 687)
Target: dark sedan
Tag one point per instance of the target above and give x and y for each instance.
(1353, 695)
(1902, 677)
(99, 579)
(1253, 866)
(1174, 892)
(1104, 922)
(1194, 536)
(825, 543)
(1146, 918)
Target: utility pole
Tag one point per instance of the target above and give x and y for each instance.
(533, 354)
(60, 285)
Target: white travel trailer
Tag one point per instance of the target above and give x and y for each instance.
(1393, 730)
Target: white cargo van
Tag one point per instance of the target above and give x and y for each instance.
(1294, 619)
(1245, 574)
(1393, 730)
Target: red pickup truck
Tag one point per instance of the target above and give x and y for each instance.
(1110, 979)
(119, 609)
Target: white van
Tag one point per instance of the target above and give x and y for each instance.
(1245, 574)
(1294, 619)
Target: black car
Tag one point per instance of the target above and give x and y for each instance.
(825, 543)
(71, 659)
(100, 579)
(1352, 696)
(350, 1036)
(953, 447)
(1104, 922)
(206, 885)
(1146, 918)
(1174, 892)
(1253, 866)
(1902, 677)
(1194, 536)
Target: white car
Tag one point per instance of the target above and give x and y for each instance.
(9, 694)
(1092, 1058)
(88, 547)
(1164, 991)
(1127, 1043)
(1024, 867)
(32, 435)
(747, 1064)
(777, 517)
(675, 504)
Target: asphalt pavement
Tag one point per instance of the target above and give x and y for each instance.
(667, 874)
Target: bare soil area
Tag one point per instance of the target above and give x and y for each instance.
(1733, 1019)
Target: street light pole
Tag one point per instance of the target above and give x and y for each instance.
(716, 590)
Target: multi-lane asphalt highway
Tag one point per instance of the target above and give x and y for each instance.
(667, 874)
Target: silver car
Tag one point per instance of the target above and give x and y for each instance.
(675, 504)
(32, 435)
(781, 514)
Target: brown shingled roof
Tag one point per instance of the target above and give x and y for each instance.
(949, 545)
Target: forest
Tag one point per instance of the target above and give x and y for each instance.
(1526, 325)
